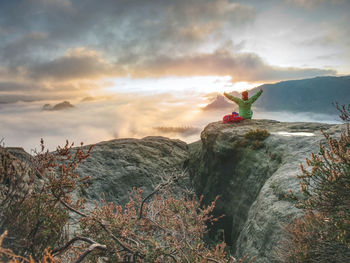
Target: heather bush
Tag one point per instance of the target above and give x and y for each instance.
(157, 228)
(34, 216)
(322, 234)
(168, 229)
(7, 255)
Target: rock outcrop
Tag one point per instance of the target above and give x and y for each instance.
(60, 106)
(20, 153)
(250, 176)
(16, 180)
(118, 165)
(252, 179)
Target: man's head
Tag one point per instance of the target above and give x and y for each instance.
(245, 95)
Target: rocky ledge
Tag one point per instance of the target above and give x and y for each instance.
(251, 177)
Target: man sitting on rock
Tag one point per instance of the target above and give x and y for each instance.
(245, 103)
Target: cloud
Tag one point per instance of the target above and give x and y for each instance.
(240, 66)
(124, 30)
(33, 90)
(78, 63)
(65, 47)
(22, 49)
(80, 70)
(124, 116)
(314, 3)
(328, 39)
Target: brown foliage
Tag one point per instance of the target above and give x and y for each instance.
(157, 228)
(322, 234)
(344, 111)
(310, 240)
(36, 220)
(7, 255)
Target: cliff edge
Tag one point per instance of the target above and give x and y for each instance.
(251, 177)
(250, 165)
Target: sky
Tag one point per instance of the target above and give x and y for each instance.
(130, 66)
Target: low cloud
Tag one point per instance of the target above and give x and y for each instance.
(23, 124)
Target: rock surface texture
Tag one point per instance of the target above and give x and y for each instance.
(252, 178)
(118, 165)
(16, 179)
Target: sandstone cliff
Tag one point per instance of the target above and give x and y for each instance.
(252, 179)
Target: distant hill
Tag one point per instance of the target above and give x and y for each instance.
(60, 106)
(306, 95)
(219, 103)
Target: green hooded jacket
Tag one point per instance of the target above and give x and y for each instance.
(244, 105)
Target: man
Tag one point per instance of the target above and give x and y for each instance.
(245, 103)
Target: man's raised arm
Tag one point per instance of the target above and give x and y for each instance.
(255, 96)
(230, 97)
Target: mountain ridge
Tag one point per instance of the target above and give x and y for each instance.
(314, 95)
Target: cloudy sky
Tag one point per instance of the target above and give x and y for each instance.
(158, 59)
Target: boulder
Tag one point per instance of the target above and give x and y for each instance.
(119, 165)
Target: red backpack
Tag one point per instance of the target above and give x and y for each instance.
(234, 117)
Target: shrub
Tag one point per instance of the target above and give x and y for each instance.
(344, 111)
(7, 255)
(309, 240)
(157, 228)
(258, 134)
(255, 139)
(165, 230)
(35, 218)
(322, 234)
(256, 145)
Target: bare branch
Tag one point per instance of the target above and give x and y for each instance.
(61, 249)
(71, 208)
(344, 111)
(160, 186)
(89, 250)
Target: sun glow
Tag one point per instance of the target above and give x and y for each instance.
(178, 85)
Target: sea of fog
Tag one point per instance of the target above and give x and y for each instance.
(23, 124)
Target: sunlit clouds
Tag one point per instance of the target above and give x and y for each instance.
(130, 66)
(48, 44)
(178, 86)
